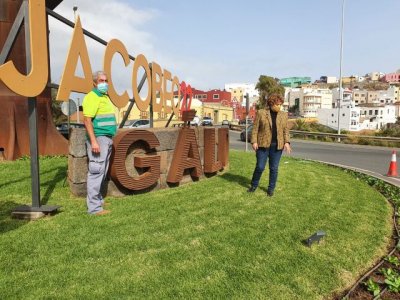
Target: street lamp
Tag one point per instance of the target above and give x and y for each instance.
(340, 69)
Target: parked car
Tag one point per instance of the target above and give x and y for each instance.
(225, 123)
(243, 134)
(63, 128)
(243, 121)
(207, 121)
(140, 123)
(195, 121)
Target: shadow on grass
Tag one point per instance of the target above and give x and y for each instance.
(51, 184)
(243, 181)
(27, 177)
(6, 222)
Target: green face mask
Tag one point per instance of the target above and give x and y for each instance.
(275, 108)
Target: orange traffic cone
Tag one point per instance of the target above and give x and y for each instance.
(393, 166)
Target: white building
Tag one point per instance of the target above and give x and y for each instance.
(314, 99)
(382, 115)
(349, 118)
(241, 89)
(375, 76)
(331, 79)
(393, 92)
(347, 97)
(360, 78)
(354, 118)
(292, 98)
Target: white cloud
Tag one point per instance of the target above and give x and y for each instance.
(111, 19)
(120, 20)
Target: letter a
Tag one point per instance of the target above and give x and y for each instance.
(186, 156)
(69, 82)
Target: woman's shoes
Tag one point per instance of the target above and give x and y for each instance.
(251, 189)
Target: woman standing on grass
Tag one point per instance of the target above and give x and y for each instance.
(269, 137)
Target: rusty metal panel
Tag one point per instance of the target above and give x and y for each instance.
(14, 131)
(188, 115)
(210, 165)
(3, 11)
(150, 163)
(186, 157)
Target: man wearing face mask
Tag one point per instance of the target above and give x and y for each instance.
(270, 136)
(101, 126)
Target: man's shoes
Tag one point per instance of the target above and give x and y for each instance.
(251, 189)
(102, 212)
(270, 194)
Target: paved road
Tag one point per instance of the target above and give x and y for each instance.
(371, 160)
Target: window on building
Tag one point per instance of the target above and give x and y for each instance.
(162, 115)
(215, 96)
(376, 111)
(332, 115)
(343, 115)
(370, 112)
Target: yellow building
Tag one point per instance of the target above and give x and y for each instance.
(217, 112)
(237, 94)
(159, 119)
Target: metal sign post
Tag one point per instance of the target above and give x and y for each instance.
(247, 114)
(36, 210)
(33, 144)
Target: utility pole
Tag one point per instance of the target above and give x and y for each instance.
(340, 69)
(247, 114)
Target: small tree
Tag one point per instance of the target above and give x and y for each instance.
(266, 86)
(56, 112)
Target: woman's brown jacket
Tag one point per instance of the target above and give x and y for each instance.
(262, 129)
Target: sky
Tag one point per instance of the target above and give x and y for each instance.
(212, 42)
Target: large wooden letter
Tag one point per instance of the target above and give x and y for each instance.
(141, 61)
(34, 83)
(156, 87)
(69, 82)
(168, 94)
(210, 165)
(177, 96)
(114, 46)
(223, 146)
(186, 156)
(119, 174)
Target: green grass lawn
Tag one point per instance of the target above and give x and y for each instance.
(209, 239)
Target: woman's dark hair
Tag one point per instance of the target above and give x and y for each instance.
(274, 99)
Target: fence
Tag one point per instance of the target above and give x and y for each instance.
(345, 138)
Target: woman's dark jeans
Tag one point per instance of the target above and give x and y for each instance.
(262, 155)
